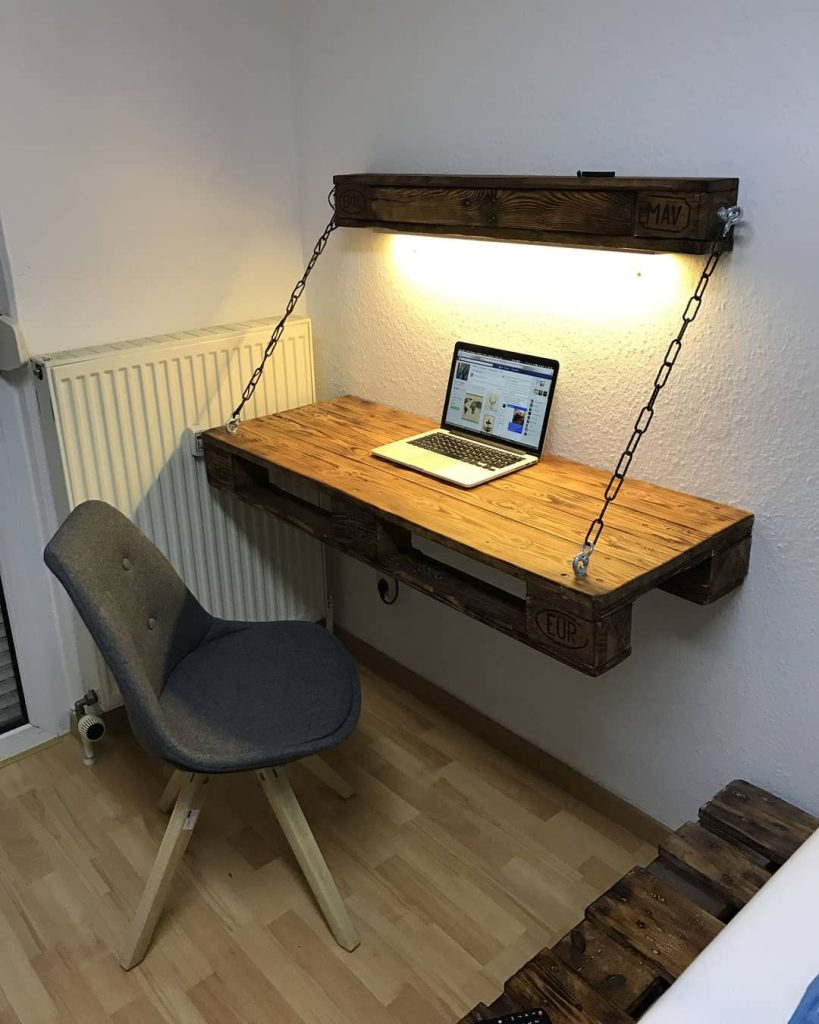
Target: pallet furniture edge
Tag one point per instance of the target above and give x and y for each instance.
(587, 630)
(643, 932)
(650, 214)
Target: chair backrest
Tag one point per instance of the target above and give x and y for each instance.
(141, 615)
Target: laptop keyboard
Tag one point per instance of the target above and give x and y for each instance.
(466, 451)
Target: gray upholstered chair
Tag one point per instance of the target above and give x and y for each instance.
(206, 695)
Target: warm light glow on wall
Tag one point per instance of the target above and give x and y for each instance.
(583, 284)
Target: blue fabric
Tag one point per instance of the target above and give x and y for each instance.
(808, 1010)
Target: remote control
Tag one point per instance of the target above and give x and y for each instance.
(522, 1017)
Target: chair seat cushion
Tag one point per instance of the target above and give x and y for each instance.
(255, 695)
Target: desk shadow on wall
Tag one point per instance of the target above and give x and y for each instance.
(239, 561)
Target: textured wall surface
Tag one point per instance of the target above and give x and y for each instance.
(148, 175)
(641, 88)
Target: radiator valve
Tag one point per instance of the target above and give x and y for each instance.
(87, 724)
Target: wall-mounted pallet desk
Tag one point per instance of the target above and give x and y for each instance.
(528, 525)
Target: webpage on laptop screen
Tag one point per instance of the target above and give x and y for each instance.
(499, 397)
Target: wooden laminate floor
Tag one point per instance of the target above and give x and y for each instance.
(455, 862)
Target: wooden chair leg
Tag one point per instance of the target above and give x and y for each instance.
(173, 846)
(294, 825)
(329, 776)
(171, 791)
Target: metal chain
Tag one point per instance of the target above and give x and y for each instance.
(232, 424)
(729, 215)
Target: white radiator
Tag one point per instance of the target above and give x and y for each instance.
(117, 423)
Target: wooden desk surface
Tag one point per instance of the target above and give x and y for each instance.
(529, 524)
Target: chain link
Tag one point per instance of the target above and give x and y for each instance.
(580, 563)
(232, 424)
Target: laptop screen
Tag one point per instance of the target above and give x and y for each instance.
(500, 396)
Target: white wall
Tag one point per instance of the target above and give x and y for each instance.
(641, 88)
(147, 184)
(147, 180)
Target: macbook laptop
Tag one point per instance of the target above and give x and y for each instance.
(494, 421)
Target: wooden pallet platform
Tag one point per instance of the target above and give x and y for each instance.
(527, 525)
(655, 214)
(638, 937)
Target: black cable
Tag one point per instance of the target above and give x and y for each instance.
(384, 589)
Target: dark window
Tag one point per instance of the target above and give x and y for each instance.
(12, 705)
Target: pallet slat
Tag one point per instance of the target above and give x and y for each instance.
(657, 214)
(640, 935)
(503, 1006)
(661, 925)
(546, 981)
(714, 863)
(611, 969)
(765, 822)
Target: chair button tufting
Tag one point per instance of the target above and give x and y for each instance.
(152, 623)
(126, 563)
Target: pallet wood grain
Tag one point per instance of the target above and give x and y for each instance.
(713, 863)
(714, 577)
(612, 970)
(528, 525)
(764, 822)
(503, 1006)
(639, 936)
(657, 214)
(547, 982)
(663, 926)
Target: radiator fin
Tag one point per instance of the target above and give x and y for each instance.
(121, 416)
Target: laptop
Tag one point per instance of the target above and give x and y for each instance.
(494, 421)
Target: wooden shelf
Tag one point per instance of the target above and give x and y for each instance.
(655, 214)
(528, 525)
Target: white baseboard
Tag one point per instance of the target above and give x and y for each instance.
(21, 740)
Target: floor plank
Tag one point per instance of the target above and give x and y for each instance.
(452, 859)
